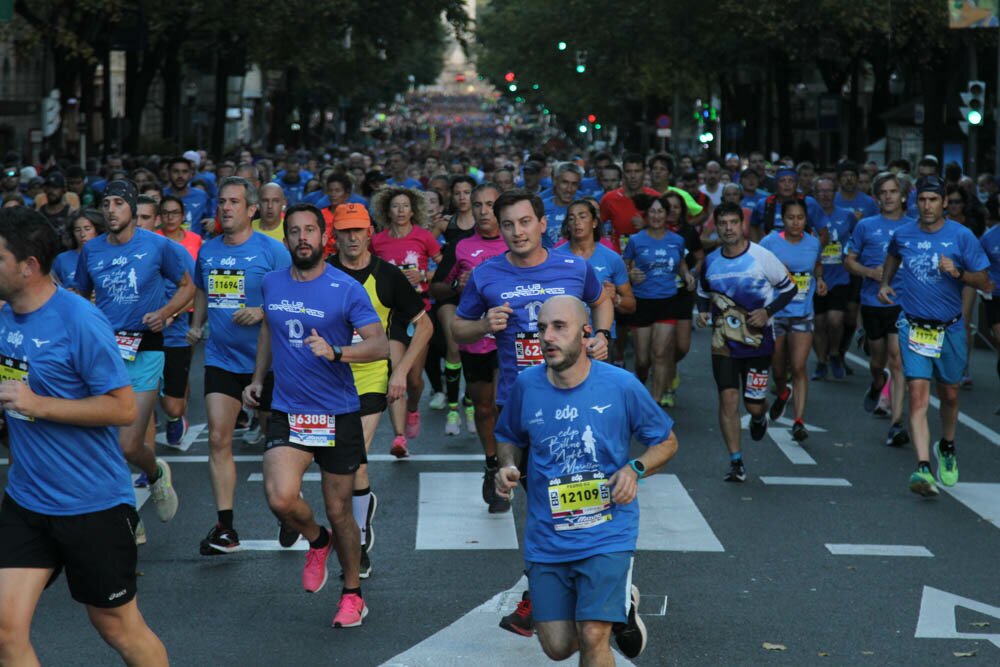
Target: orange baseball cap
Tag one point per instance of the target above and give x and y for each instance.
(351, 216)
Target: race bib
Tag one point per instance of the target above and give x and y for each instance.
(756, 387)
(803, 281)
(833, 253)
(312, 430)
(527, 350)
(16, 370)
(227, 288)
(623, 241)
(926, 341)
(582, 500)
(128, 343)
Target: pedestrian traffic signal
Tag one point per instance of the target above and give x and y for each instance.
(509, 77)
(974, 101)
(512, 87)
(706, 137)
(583, 128)
(581, 62)
(562, 46)
(591, 118)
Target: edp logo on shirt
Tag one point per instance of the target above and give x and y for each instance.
(568, 412)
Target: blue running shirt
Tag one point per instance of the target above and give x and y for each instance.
(800, 260)
(65, 349)
(196, 208)
(659, 259)
(737, 286)
(839, 225)
(555, 216)
(64, 266)
(231, 278)
(929, 293)
(335, 305)
(862, 206)
(579, 435)
(991, 246)
(496, 281)
(130, 280)
(607, 265)
(870, 242)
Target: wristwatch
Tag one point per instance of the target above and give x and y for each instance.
(606, 332)
(638, 466)
(337, 353)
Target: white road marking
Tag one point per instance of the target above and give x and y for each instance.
(272, 545)
(475, 639)
(804, 481)
(981, 498)
(782, 437)
(372, 458)
(141, 494)
(193, 433)
(669, 520)
(937, 616)
(982, 429)
(451, 514)
(879, 550)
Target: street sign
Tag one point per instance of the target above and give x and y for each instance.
(664, 132)
(663, 122)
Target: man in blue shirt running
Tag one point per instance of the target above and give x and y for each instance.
(311, 313)
(936, 258)
(69, 502)
(578, 418)
(128, 270)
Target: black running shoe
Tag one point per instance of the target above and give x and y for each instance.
(799, 432)
(519, 621)
(897, 436)
(369, 527)
(489, 484)
(758, 429)
(287, 537)
(220, 540)
(737, 472)
(366, 565)
(778, 407)
(631, 636)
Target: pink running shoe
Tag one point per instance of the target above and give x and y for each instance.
(350, 612)
(314, 574)
(399, 449)
(412, 425)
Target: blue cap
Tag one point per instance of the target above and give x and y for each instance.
(931, 184)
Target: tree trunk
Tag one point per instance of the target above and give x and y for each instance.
(881, 95)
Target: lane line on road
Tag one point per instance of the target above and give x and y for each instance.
(452, 515)
(981, 498)
(904, 550)
(272, 545)
(982, 429)
(193, 433)
(804, 481)
(782, 437)
(669, 520)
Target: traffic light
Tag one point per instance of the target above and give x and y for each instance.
(974, 101)
(509, 77)
(583, 128)
(512, 87)
(561, 46)
(591, 118)
(581, 62)
(706, 137)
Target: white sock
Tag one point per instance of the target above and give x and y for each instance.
(359, 505)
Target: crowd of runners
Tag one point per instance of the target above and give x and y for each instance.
(548, 303)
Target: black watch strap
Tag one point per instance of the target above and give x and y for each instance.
(337, 353)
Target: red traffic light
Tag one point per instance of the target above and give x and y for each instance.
(591, 118)
(509, 77)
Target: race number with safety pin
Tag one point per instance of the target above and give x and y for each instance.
(16, 370)
(833, 253)
(579, 501)
(128, 343)
(312, 430)
(527, 349)
(927, 341)
(803, 281)
(227, 288)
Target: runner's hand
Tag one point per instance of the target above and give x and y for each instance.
(758, 318)
(506, 479)
(624, 485)
(496, 318)
(18, 396)
(153, 321)
(463, 280)
(636, 276)
(690, 282)
(702, 319)
(947, 265)
(248, 317)
(252, 393)
(886, 294)
(397, 386)
(413, 276)
(598, 347)
(875, 273)
(319, 346)
(821, 289)
(195, 335)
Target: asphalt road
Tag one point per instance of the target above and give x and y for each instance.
(731, 574)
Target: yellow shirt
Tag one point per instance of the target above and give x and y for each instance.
(278, 233)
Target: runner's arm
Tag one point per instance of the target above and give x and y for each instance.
(115, 408)
(198, 317)
(657, 456)
(374, 345)
(422, 332)
(856, 268)
(889, 269)
(263, 362)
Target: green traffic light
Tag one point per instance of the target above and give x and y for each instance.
(512, 87)
(583, 129)
(562, 46)
(580, 69)
(975, 117)
(597, 126)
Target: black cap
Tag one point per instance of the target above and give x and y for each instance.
(931, 184)
(532, 167)
(56, 179)
(125, 189)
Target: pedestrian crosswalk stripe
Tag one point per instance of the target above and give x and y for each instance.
(669, 520)
(981, 498)
(452, 515)
(879, 550)
(804, 481)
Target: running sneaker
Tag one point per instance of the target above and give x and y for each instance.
(287, 537)
(778, 407)
(438, 401)
(176, 430)
(966, 381)
(677, 381)
(142, 481)
(489, 483)
(837, 367)
(820, 373)
(452, 425)
(872, 395)
(370, 524)
(314, 573)
(366, 565)
(350, 612)
(758, 429)
(667, 400)
(242, 420)
(947, 470)
(254, 434)
(140, 533)
(220, 540)
(162, 493)
(799, 432)
(737, 471)
(399, 449)
(519, 621)
(470, 418)
(897, 436)
(631, 635)
(922, 483)
(412, 425)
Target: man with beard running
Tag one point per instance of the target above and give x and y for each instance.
(312, 312)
